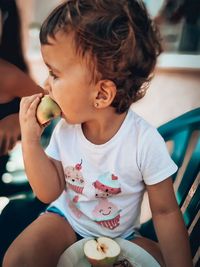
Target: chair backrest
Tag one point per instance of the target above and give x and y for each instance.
(183, 135)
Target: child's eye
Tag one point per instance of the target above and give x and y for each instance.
(52, 75)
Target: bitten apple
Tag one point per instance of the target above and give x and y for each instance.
(47, 110)
(101, 252)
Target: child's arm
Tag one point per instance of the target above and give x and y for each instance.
(45, 175)
(169, 225)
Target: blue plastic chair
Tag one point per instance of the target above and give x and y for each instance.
(183, 133)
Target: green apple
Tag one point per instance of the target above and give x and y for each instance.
(101, 252)
(47, 110)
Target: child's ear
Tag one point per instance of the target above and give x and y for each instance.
(106, 91)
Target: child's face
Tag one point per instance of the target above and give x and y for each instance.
(69, 79)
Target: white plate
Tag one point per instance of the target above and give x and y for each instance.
(74, 255)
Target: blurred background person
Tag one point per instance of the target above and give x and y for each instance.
(14, 81)
(187, 12)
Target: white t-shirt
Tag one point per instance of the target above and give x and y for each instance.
(105, 183)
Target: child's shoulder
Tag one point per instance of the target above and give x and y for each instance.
(143, 128)
(139, 122)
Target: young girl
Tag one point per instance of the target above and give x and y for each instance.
(102, 156)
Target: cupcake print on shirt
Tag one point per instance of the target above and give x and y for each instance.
(106, 214)
(74, 178)
(106, 185)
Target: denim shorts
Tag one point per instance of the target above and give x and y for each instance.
(53, 209)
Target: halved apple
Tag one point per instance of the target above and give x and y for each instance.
(101, 252)
(47, 110)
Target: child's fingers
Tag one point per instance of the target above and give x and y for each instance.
(26, 101)
(33, 105)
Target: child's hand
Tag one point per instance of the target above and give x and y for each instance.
(30, 129)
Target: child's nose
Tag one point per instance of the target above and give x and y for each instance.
(47, 87)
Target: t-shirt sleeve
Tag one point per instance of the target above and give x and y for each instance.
(155, 162)
(52, 150)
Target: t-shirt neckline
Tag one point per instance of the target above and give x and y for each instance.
(113, 139)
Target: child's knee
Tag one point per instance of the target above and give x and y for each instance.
(12, 259)
(15, 256)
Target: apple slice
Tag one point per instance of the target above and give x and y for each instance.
(47, 110)
(101, 252)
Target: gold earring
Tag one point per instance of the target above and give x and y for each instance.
(96, 104)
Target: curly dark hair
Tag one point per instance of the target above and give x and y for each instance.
(120, 38)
